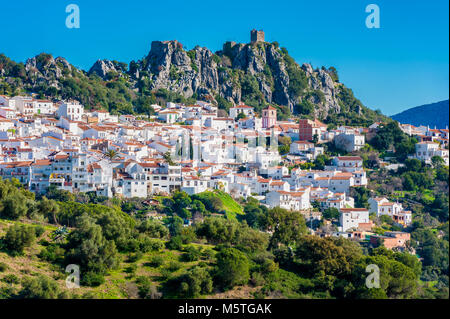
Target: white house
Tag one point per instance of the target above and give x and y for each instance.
(426, 150)
(44, 107)
(245, 109)
(169, 116)
(24, 104)
(381, 206)
(348, 163)
(71, 110)
(349, 142)
(341, 183)
(288, 200)
(353, 217)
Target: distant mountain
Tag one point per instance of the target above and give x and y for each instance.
(434, 114)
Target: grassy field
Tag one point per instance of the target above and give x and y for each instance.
(230, 206)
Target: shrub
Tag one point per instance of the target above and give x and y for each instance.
(131, 269)
(153, 228)
(11, 279)
(156, 261)
(18, 237)
(175, 243)
(135, 257)
(192, 254)
(173, 266)
(52, 253)
(208, 253)
(188, 235)
(195, 282)
(257, 279)
(146, 289)
(3, 267)
(39, 231)
(92, 279)
(150, 244)
(40, 288)
(7, 292)
(14, 206)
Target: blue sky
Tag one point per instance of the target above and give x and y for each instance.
(403, 64)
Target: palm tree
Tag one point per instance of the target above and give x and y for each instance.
(111, 154)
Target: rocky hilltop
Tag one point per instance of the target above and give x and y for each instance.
(256, 73)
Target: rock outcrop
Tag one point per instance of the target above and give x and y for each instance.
(43, 68)
(103, 67)
(231, 73)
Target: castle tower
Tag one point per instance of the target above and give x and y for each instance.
(256, 36)
(269, 117)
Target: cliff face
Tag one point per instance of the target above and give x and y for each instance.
(239, 72)
(104, 68)
(170, 67)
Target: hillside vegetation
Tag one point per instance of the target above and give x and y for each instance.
(262, 253)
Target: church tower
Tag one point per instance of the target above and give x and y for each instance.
(269, 117)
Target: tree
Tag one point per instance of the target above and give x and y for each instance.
(14, 206)
(175, 243)
(88, 247)
(232, 268)
(153, 228)
(404, 148)
(390, 136)
(181, 202)
(19, 237)
(168, 158)
(333, 73)
(218, 230)
(331, 213)
(40, 287)
(198, 207)
(408, 183)
(59, 195)
(396, 279)
(255, 214)
(241, 115)
(326, 256)
(413, 164)
(250, 240)
(197, 281)
(315, 139)
(321, 161)
(287, 226)
(437, 161)
(48, 208)
(146, 289)
(192, 253)
(110, 154)
(114, 226)
(175, 225)
(143, 105)
(361, 196)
